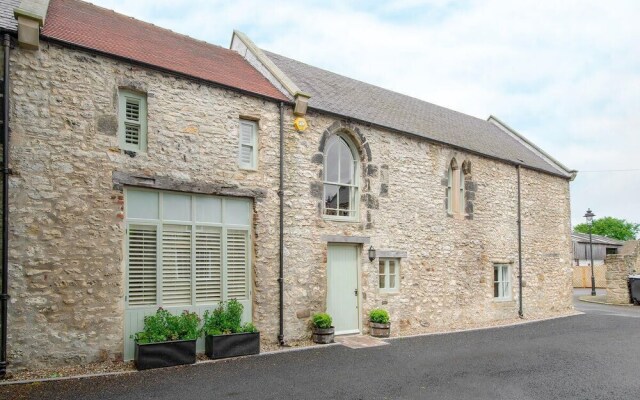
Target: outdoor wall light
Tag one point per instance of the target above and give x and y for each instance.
(372, 253)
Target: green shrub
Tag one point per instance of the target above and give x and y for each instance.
(165, 327)
(379, 316)
(226, 319)
(248, 328)
(322, 320)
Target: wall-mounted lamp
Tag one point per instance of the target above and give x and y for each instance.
(372, 253)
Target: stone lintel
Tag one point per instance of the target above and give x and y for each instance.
(391, 254)
(345, 239)
(165, 183)
(502, 260)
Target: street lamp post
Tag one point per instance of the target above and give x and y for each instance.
(589, 216)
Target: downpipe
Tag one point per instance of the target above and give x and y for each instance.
(4, 294)
(281, 244)
(520, 311)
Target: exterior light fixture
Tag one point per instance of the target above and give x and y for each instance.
(372, 253)
(589, 216)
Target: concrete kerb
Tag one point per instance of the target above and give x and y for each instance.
(600, 300)
(284, 350)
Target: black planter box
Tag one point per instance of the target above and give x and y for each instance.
(232, 345)
(165, 354)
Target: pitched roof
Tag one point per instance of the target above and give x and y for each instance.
(7, 21)
(597, 239)
(348, 97)
(96, 28)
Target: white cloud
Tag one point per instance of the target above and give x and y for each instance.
(566, 74)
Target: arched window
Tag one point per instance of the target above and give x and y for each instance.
(452, 187)
(340, 179)
(461, 190)
(455, 187)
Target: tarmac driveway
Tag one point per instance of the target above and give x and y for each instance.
(590, 356)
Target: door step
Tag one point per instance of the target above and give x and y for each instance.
(359, 341)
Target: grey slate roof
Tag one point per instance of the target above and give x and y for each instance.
(7, 21)
(597, 239)
(348, 97)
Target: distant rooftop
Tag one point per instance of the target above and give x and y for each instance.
(597, 239)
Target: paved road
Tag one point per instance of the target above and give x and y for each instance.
(590, 356)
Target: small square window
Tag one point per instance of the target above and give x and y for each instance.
(132, 121)
(389, 274)
(248, 150)
(502, 281)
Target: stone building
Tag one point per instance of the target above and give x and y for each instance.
(145, 172)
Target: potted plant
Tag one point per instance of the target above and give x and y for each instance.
(379, 322)
(225, 336)
(167, 340)
(323, 331)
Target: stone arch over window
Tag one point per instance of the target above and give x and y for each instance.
(367, 176)
(460, 188)
(341, 170)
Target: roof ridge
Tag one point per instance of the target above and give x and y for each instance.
(270, 53)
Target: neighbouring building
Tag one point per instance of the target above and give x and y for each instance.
(602, 246)
(145, 172)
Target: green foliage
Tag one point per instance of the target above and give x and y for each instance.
(248, 328)
(164, 327)
(379, 316)
(322, 320)
(226, 319)
(614, 228)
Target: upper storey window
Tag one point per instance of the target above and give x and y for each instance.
(455, 189)
(340, 179)
(132, 121)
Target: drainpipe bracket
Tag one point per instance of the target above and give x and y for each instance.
(4, 296)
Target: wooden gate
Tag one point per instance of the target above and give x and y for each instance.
(582, 276)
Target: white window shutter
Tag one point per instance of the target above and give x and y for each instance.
(208, 265)
(237, 264)
(142, 253)
(176, 265)
(132, 121)
(247, 144)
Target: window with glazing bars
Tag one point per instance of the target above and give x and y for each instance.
(340, 193)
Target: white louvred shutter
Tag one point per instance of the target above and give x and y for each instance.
(237, 264)
(142, 265)
(208, 265)
(132, 121)
(246, 143)
(176, 265)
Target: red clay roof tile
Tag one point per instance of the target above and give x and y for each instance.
(89, 26)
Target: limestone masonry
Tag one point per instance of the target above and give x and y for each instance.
(67, 206)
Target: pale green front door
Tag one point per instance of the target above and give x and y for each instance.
(342, 287)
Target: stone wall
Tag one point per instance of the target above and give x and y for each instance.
(619, 267)
(67, 233)
(67, 236)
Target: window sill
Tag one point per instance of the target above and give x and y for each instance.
(339, 219)
(388, 292)
(505, 301)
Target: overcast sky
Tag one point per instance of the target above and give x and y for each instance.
(566, 74)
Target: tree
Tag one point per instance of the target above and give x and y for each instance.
(614, 228)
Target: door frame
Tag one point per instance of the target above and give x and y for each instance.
(358, 248)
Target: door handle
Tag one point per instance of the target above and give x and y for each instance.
(355, 292)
